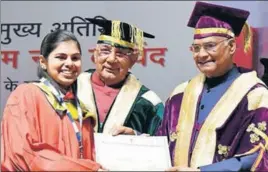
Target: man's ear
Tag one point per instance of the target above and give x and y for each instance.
(134, 58)
(232, 45)
(95, 55)
(132, 63)
(43, 62)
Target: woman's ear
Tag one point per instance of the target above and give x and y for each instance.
(43, 62)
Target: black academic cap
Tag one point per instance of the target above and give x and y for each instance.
(120, 33)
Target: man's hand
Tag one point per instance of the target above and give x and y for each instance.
(178, 168)
(102, 169)
(122, 130)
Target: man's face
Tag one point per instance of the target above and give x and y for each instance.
(113, 63)
(213, 55)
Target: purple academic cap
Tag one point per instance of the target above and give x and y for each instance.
(216, 20)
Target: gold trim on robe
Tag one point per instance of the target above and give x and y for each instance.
(214, 30)
(179, 89)
(116, 41)
(259, 148)
(86, 96)
(122, 105)
(187, 119)
(204, 150)
(257, 98)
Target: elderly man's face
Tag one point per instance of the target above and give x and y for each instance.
(113, 63)
(213, 55)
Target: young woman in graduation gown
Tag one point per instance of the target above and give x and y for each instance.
(44, 126)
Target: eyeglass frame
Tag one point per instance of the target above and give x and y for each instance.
(211, 49)
(114, 49)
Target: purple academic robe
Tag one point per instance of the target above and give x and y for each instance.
(236, 126)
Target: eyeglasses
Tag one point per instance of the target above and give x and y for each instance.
(106, 50)
(208, 47)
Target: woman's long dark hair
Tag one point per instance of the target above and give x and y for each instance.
(49, 43)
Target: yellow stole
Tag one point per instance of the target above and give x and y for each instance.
(204, 150)
(71, 107)
(122, 105)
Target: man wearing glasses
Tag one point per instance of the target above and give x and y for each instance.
(217, 121)
(121, 103)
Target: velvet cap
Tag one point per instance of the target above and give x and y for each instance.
(217, 20)
(120, 34)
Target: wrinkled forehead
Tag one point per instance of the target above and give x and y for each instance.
(116, 46)
(208, 39)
